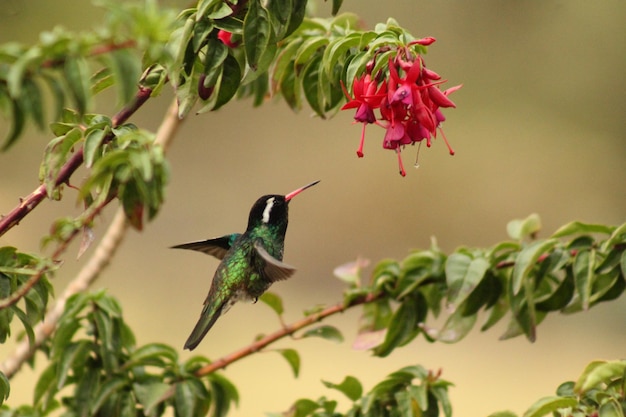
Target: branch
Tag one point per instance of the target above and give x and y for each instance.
(287, 330)
(29, 203)
(101, 257)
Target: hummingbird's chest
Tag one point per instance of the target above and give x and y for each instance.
(243, 269)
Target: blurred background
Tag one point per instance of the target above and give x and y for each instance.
(539, 127)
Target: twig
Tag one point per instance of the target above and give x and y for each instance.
(28, 204)
(102, 255)
(285, 331)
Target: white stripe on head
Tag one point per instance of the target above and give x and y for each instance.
(268, 208)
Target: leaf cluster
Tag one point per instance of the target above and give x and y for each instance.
(16, 269)
(95, 368)
(410, 391)
(524, 278)
(72, 68)
(599, 391)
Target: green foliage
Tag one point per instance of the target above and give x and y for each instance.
(211, 54)
(95, 368)
(410, 391)
(599, 391)
(18, 270)
(524, 278)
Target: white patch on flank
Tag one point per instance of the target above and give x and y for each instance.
(268, 208)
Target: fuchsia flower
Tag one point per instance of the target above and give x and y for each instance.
(366, 99)
(409, 106)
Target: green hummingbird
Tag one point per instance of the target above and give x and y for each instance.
(250, 262)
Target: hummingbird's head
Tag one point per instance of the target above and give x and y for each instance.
(273, 209)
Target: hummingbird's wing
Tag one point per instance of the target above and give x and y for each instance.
(275, 270)
(215, 247)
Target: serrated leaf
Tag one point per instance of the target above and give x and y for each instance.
(325, 332)
(548, 405)
(350, 387)
(273, 301)
(293, 359)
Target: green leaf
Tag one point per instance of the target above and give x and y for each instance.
(402, 324)
(527, 259)
(503, 414)
(273, 301)
(522, 228)
(126, 70)
(548, 405)
(325, 332)
(5, 388)
(77, 77)
(230, 81)
(303, 407)
(223, 393)
(574, 228)
(599, 372)
(457, 326)
(73, 355)
(338, 48)
(256, 33)
(108, 388)
(93, 144)
(310, 47)
(611, 408)
(350, 387)
(311, 85)
(158, 354)
(17, 126)
(463, 275)
(583, 276)
(561, 296)
(293, 359)
(46, 384)
(150, 394)
(185, 399)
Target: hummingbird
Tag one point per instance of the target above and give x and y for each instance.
(250, 262)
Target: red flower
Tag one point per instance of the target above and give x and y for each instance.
(366, 99)
(409, 106)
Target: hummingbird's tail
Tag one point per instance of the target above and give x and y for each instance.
(208, 317)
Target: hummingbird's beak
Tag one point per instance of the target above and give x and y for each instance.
(299, 190)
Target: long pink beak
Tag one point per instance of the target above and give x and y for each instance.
(299, 190)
